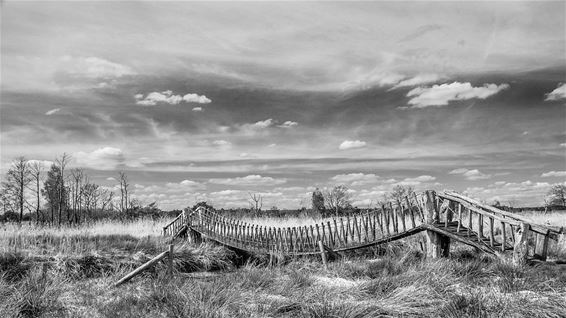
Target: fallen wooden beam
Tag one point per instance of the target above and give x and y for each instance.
(141, 268)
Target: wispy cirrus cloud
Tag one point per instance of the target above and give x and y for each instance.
(53, 111)
(553, 174)
(441, 95)
(557, 94)
(250, 180)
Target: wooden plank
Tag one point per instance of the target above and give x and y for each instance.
(357, 229)
(386, 217)
(542, 246)
(402, 213)
(143, 267)
(395, 218)
(330, 237)
(413, 223)
(503, 236)
(520, 248)
(469, 222)
(322, 254)
(344, 238)
(491, 232)
(336, 235)
(323, 233)
(459, 218)
(348, 226)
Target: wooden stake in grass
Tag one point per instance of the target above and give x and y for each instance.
(142, 268)
(170, 264)
(323, 254)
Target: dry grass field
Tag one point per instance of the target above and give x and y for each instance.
(70, 272)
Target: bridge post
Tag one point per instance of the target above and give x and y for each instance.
(521, 249)
(195, 237)
(438, 245)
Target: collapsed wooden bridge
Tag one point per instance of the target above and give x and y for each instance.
(443, 216)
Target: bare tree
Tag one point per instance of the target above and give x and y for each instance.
(124, 200)
(557, 194)
(256, 202)
(62, 163)
(77, 179)
(337, 198)
(399, 192)
(36, 169)
(106, 197)
(17, 180)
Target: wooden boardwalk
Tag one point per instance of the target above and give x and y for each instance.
(443, 216)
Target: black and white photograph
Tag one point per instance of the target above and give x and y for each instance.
(324, 159)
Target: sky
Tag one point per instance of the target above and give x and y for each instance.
(215, 100)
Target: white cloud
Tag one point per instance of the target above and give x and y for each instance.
(288, 124)
(418, 80)
(196, 98)
(563, 145)
(554, 174)
(93, 67)
(356, 179)
(250, 180)
(53, 111)
(111, 179)
(416, 180)
(557, 93)
(441, 95)
(221, 143)
(167, 97)
(197, 109)
(351, 144)
(45, 164)
(102, 158)
(262, 124)
(471, 174)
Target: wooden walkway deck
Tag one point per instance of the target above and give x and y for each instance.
(443, 217)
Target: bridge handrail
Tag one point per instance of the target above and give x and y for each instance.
(539, 228)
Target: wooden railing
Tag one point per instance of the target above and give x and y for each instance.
(173, 227)
(448, 214)
(391, 221)
(489, 228)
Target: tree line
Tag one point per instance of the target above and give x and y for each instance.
(70, 196)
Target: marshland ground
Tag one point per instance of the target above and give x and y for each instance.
(70, 272)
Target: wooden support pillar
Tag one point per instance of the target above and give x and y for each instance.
(520, 249)
(542, 246)
(437, 245)
(195, 237)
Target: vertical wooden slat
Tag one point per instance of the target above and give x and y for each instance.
(323, 234)
(469, 222)
(503, 237)
(336, 234)
(491, 234)
(330, 237)
(479, 231)
(312, 238)
(347, 226)
(386, 218)
(357, 228)
(344, 238)
(459, 217)
(394, 218)
(413, 223)
(402, 212)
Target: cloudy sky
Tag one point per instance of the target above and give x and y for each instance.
(212, 100)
